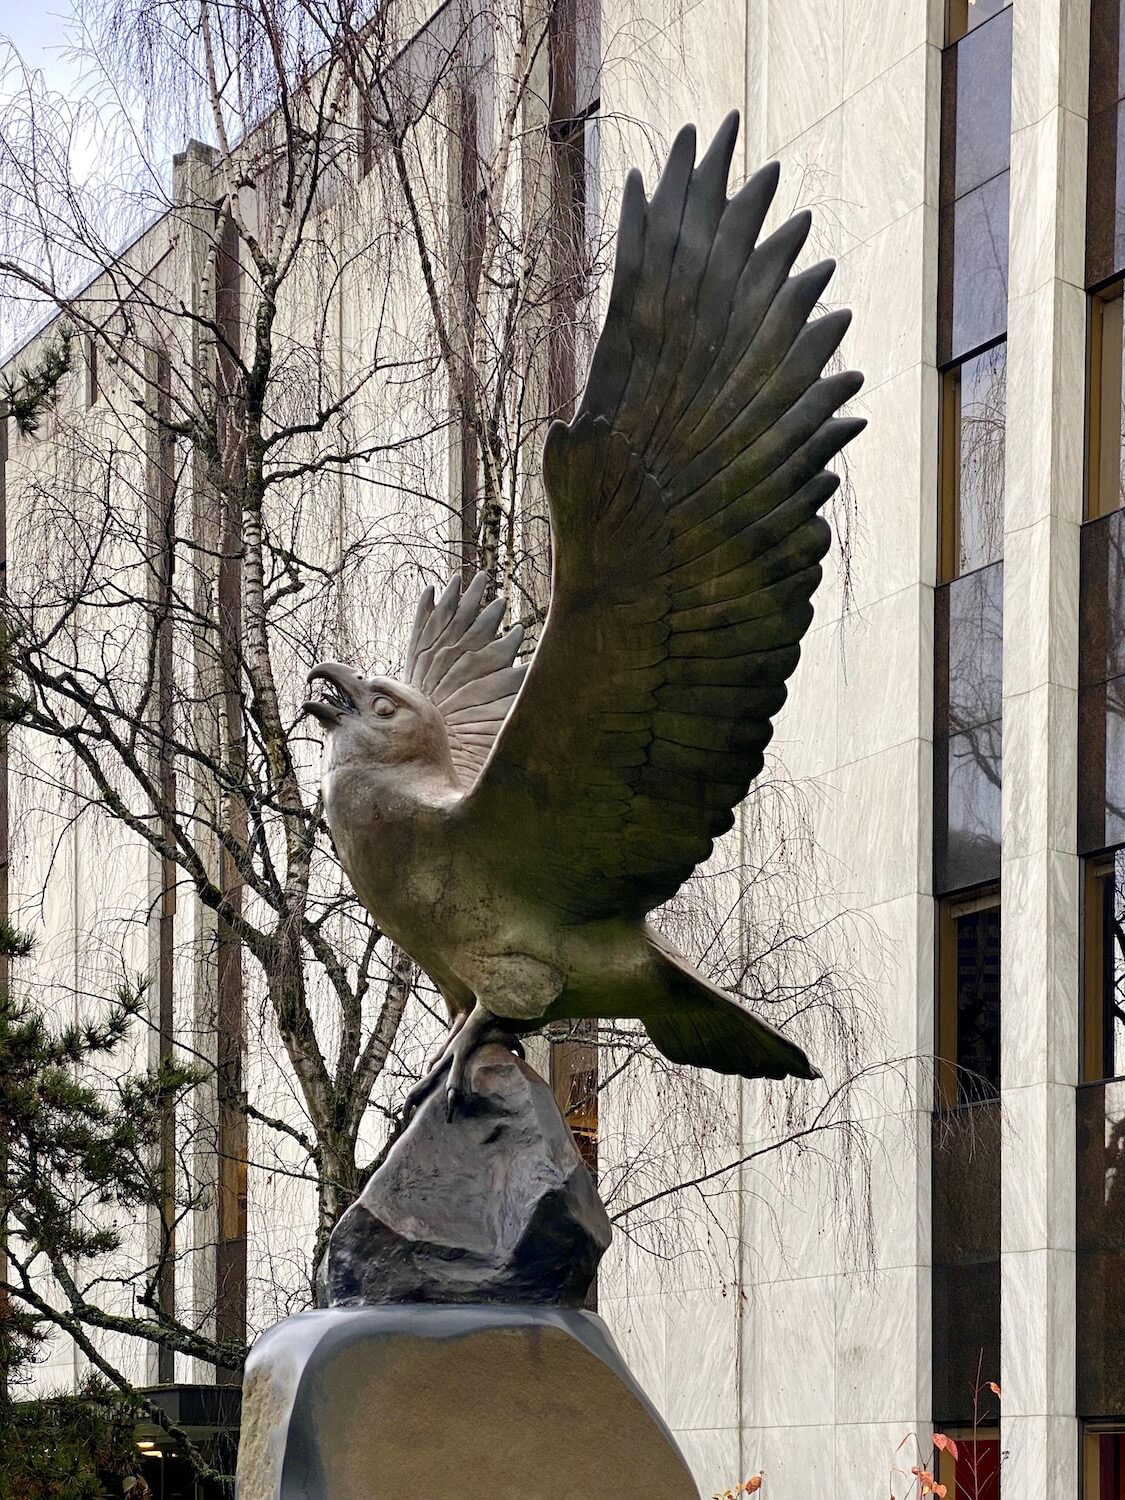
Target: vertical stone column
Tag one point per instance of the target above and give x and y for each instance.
(1043, 510)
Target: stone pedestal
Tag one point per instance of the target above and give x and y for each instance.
(483, 1402)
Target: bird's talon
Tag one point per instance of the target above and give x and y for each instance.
(454, 1099)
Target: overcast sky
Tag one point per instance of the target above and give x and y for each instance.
(39, 32)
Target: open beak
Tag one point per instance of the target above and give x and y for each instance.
(336, 700)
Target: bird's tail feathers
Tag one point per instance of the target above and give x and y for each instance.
(704, 1027)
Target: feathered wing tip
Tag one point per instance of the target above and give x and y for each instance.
(463, 666)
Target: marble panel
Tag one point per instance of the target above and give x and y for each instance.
(885, 674)
(875, 38)
(1064, 575)
(713, 1456)
(1068, 402)
(1044, 440)
(884, 806)
(1041, 598)
(794, 1461)
(1040, 769)
(877, 1340)
(805, 731)
(790, 1216)
(897, 1025)
(804, 62)
(1024, 1214)
(875, 1458)
(1038, 1195)
(1039, 1454)
(890, 283)
(756, 94)
(701, 1360)
(1039, 1035)
(639, 1324)
(1037, 1332)
(900, 1197)
(811, 178)
(1033, 206)
(892, 467)
(1047, 237)
(883, 162)
(788, 1336)
(1027, 592)
(1050, 57)
(1070, 238)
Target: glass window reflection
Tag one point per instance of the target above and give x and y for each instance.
(965, 1157)
(974, 412)
(1100, 1219)
(1113, 969)
(976, 114)
(968, 774)
(1102, 599)
(978, 1004)
(1105, 488)
(1101, 765)
(974, 287)
(1104, 1018)
(1105, 200)
(968, 649)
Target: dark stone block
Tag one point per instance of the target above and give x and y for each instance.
(495, 1205)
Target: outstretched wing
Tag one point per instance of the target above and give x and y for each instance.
(684, 504)
(457, 659)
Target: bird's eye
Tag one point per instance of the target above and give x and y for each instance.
(383, 707)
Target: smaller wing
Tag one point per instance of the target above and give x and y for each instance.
(460, 661)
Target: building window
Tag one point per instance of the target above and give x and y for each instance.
(1105, 417)
(573, 43)
(968, 1042)
(1103, 1030)
(1100, 1257)
(1101, 684)
(1103, 1465)
(1105, 190)
(968, 730)
(973, 284)
(976, 1473)
(1100, 1099)
(574, 1081)
(972, 462)
(972, 323)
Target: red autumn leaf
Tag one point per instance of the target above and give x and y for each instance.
(994, 1388)
(945, 1445)
(753, 1484)
(939, 1491)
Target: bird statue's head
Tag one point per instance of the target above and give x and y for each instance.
(375, 720)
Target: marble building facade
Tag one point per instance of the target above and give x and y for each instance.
(956, 721)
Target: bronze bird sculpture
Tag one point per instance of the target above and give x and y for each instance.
(512, 827)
